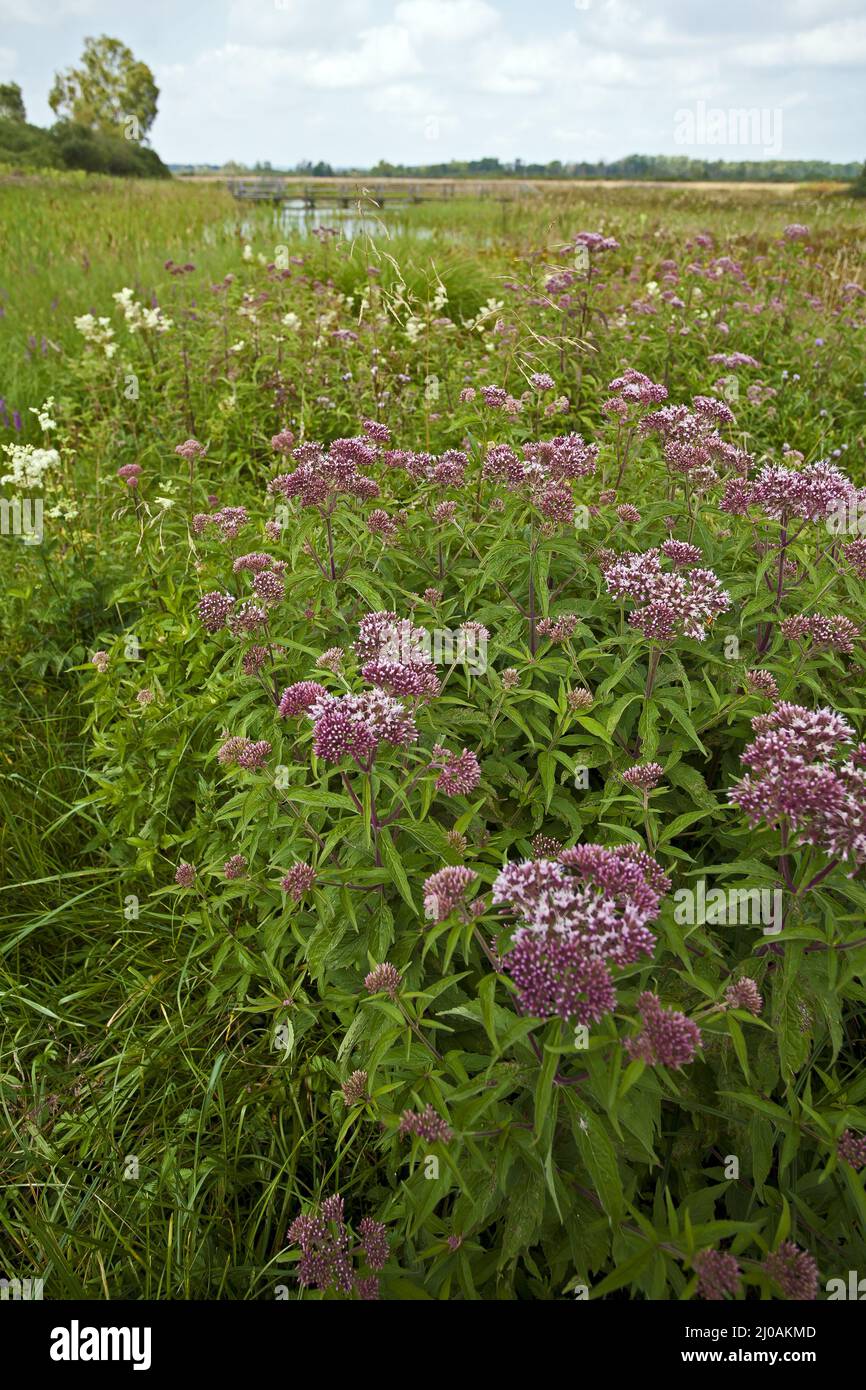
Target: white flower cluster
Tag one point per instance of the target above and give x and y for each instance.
(98, 332)
(291, 320)
(44, 413)
(29, 464)
(138, 316)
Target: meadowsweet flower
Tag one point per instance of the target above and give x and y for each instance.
(744, 994)
(383, 979)
(795, 1272)
(355, 1089)
(28, 465)
(426, 1124)
(185, 875)
(852, 1149)
(667, 1037)
(459, 774)
(643, 776)
(718, 1274)
(446, 890)
(298, 881)
(235, 867)
(97, 333)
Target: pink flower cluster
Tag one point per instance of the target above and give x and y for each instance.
(806, 773)
(578, 915)
(632, 393)
(691, 442)
(813, 493)
(668, 603)
(322, 475)
(327, 1256)
(837, 632)
(446, 890)
(666, 1038)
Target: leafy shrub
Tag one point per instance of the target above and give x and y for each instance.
(475, 725)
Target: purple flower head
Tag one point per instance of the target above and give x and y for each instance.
(668, 603)
(718, 1274)
(744, 994)
(795, 1272)
(190, 450)
(459, 774)
(643, 776)
(803, 773)
(214, 609)
(235, 867)
(298, 881)
(426, 1124)
(297, 698)
(383, 979)
(446, 890)
(667, 1037)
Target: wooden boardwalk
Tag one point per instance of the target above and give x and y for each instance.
(350, 193)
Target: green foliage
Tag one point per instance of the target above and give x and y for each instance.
(109, 91)
(207, 1032)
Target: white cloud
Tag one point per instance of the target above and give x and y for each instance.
(43, 11)
(842, 44)
(383, 54)
(451, 21)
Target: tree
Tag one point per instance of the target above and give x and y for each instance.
(11, 102)
(111, 92)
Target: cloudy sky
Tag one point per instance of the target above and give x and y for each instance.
(353, 81)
